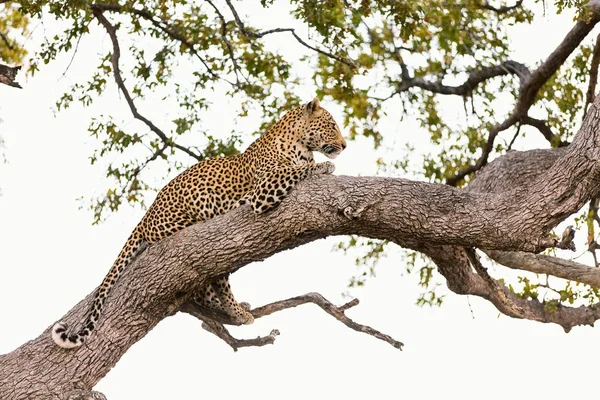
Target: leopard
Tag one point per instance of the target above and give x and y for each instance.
(261, 177)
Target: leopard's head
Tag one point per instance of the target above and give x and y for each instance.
(321, 132)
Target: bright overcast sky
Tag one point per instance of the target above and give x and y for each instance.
(51, 257)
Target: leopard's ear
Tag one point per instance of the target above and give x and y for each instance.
(313, 106)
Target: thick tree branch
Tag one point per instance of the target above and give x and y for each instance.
(529, 90)
(516, 169)
(8, 75)
(473, 80)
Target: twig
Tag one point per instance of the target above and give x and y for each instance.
(166, 29)
(510, 145)
(219, 330)
(74, 52)
(250, 34)
(111, 30)
(236, 67)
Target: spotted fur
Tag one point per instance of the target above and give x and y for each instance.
(261, 176)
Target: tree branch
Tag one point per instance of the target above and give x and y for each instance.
(544, 264)
(453, 264)
(338, 313)
(591, 92)
(112, 33)
(529, 90)
(249, 34)
(545, 130)
(236, 67)
(168, 30)
(473, 80)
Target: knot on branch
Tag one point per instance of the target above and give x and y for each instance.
(565, 242)
(84, 395)
(353, 213)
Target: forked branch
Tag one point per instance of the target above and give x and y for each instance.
(116, 55)
(529, 90)
(338, 313)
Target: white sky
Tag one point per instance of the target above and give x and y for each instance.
(51, 256)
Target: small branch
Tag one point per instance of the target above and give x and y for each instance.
(236, 67)
(544, 129)
(329, 308)
(112, 33)
(8, 75)
(166, 29)
(219, 330)
(590, 94)
(249, 34)
(495, 287)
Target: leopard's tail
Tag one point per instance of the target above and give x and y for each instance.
(61, 333)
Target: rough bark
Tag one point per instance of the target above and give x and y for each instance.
(422, 216)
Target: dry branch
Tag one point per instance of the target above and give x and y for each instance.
(338, 313)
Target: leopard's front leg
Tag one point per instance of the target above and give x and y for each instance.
(273, 185)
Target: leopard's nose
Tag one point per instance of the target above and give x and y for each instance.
(343, 145)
